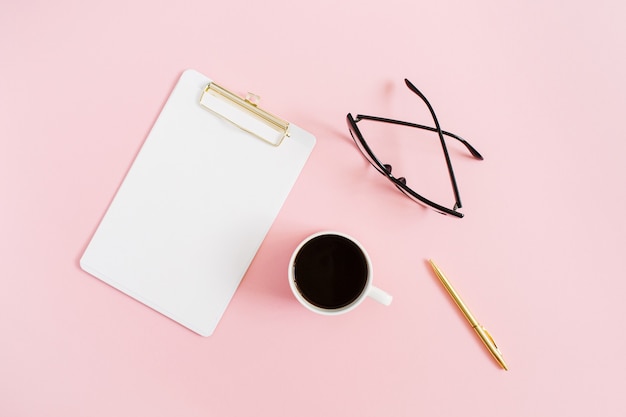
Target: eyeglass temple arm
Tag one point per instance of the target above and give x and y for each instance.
(443, 142)
(469, 147)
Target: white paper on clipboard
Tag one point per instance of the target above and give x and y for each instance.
(194, 208)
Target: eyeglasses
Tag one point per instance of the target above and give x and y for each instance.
(401, 182)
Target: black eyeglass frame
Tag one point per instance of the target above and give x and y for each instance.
(385, 169)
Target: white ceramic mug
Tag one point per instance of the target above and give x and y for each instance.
(331, 273)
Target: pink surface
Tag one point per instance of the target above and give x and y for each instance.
(538, 88)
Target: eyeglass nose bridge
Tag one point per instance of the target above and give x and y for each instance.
(388, 169)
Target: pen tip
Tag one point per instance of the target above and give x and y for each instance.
(433, 265)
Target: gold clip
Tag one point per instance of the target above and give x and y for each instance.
(245, 113)
(253, 99)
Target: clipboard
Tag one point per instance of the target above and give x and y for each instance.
(197, 202)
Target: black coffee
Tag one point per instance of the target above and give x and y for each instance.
(330, 271)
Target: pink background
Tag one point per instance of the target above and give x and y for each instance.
(537, 87)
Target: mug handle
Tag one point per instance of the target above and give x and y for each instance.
(379, 295)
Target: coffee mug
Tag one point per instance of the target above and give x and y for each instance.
(331, 273)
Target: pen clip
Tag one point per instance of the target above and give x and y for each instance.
(490, 338)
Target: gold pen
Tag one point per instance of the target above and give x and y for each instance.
(480, 330)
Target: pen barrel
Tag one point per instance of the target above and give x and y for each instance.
(459, 302)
